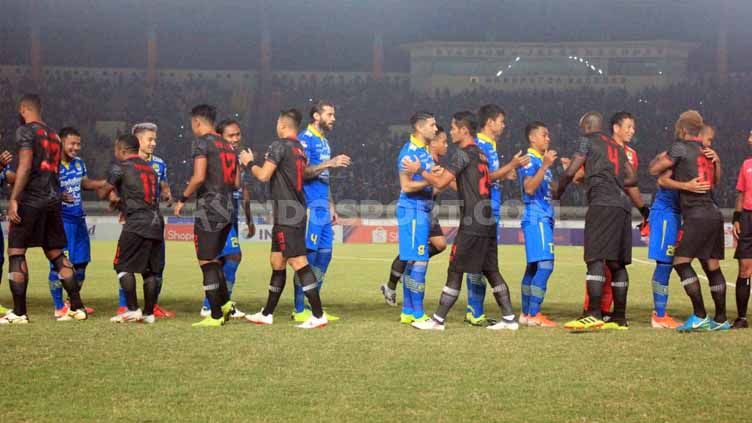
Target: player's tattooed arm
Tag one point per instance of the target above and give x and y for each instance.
(517, 161)
(339, 161)
(576, 162)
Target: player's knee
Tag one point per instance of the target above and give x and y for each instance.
(298, 262)
(17, 270)
(745, 269)
(546, 265)
(437, 245)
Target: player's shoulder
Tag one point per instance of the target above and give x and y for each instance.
(157, 160)
(747, 164)
(78, 163)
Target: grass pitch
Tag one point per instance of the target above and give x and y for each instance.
(365, 367)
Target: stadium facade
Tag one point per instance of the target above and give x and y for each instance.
(631, 65)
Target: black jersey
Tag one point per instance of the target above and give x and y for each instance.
(470, 168)
(136, 183)
(215, 207)
(43, 187)
(288, 198)
(689, 163)
(605, 161)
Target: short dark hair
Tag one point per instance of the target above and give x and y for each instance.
(206, 112)
(440, 130)
(68, 131)
(620, 117)
(318, 107)
(31, 100)
(489, 111)
(419, 117)
(221, 126)
(292, 114)
(467, 119)
(128, 142)
(532, 126)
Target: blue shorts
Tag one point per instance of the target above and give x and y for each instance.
(539, 239)
(232, 244)
(78, 246)
(319, 232)
(414, 227)
(664, 231)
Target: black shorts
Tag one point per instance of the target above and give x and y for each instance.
(608, 234)
(744, 245)
(209, 244)
(474, 254)
(701, 238)
(435, 228)
(136, 254)
(289, 241)
(39, 227)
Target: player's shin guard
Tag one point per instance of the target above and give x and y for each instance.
(418, 287)
(68, 279)
(500, 293)
(151, 286)
(476, 294)
(742, 296)
(448, 295)
(525, 289)
(122, 301)
(276, 286)
(395, 272)
(407, 298)
(230, 270)
(718, 292)
(539, 285)
(212, 281)
(310, 289)
(661, 276)
(619, 287)
(691, 285)
(128, 285)
(18, 277)
(595, 278)
(323, 258)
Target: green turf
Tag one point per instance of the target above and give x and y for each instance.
(366, 367)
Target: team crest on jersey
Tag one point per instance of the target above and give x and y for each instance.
(155, 167)
(78, 166)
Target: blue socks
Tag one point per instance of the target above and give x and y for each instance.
(407, 302)
(416, 285)
(323, 258)
(476, 294)
(526, 279)
(661, 276)
(319, 261)
(56, 290)
(538, 285)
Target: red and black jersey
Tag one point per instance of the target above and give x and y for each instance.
(288, 199)
(689, 163)
(136, 183)
(604, 171)
(215, 207)
(43, 187)
(470, 168)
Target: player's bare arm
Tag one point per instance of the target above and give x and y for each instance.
(341, 160)
(197, 179)
(631, 180)
(262, 173)
(247, 210)
(532, 183)
(576, 162)
(660, 164)
(696, 185)
(25, 156)
(517, 161)
(738, 208)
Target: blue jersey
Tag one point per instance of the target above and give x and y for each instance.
(666, 200)
(70, 175)
(539, 204)
(488, 147)
(423, 199)
(160, 168)
(316, 148)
